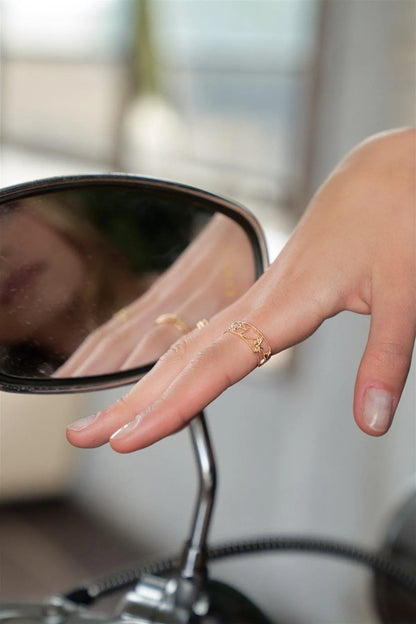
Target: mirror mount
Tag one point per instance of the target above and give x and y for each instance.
(194, 554)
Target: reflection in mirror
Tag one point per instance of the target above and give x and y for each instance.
(100, 279)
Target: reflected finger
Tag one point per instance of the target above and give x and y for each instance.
(169, 327)
(106, 348)
(152, 347)
(89, 353)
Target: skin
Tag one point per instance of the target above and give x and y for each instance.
(354, 249)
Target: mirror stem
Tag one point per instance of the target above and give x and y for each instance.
(194, 555)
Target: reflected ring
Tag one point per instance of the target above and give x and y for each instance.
(254, 338)
(202, 323)
(122, 315)
(175, 321)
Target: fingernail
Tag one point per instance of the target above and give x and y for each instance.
(378, 409)
(82, 423)
(123, 431)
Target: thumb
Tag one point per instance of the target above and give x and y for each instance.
(385, 363)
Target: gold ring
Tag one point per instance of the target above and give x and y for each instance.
(175, 321)
(254, 338)
(122, 315)
(202, 323)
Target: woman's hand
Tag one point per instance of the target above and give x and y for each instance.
(354, 249)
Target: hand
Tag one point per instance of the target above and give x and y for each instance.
(354, 249)
(213, 271)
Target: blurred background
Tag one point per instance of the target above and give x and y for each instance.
(256, 100)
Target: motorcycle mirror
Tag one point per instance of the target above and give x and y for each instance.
(99, 275)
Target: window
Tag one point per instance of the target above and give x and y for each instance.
(216, 93)
(64, 75)
(234, 80)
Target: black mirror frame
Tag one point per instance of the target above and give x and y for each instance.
(212, 203)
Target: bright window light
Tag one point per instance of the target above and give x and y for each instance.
(75, 29)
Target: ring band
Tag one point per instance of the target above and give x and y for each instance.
(254, 338)
(202, 323)
(122, 315)
(175, 321)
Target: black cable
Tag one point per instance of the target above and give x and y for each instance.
(382, 564)
(123, 579)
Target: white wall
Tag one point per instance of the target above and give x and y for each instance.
(291, 458)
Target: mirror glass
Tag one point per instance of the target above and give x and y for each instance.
(99, 279)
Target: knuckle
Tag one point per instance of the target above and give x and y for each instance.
(110, 330)
(208, 357)
(124, 403)
(177, 351)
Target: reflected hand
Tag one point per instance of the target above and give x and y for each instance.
(355, 250)
(215, 270)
